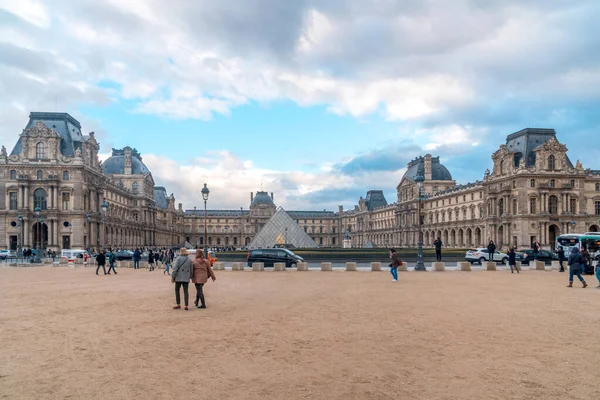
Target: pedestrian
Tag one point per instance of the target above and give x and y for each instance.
(182, 273)
(586, 270)
(202, 271)
(491, 250)
(167, 266)
(101, 260)
(438, 249)
(396, 262)
(561, 258)
(535, 246)
(512, 260)
(111, 261)
(575, 266)
(598, 274)
(136, 259)
(150, 261)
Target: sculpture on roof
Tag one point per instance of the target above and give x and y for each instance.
(3, 152)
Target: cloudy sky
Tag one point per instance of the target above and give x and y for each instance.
(315, 100)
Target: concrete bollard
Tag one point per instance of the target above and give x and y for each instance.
(78, 261)
(403, 266)
(518, 265)
(143, 264)
(64, 260)
(539, 265)
(375, 266)
(258, 266)
(302, 266)
(237, 266)
(218, 266)
(490, 266)
(439, 266)
(556, 264)
(71, 264)
(463, 266)
(350, 266)
(279, 267)
(326, 266)
(47, 261)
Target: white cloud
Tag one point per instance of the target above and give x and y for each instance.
(31, 11)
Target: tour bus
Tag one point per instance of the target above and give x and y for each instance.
(567, 242)
(591, 241)
(72, 254)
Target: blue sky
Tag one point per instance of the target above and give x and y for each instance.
(317, 101)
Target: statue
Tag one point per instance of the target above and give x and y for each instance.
(578, 166)
(3, 152)
(347, 235)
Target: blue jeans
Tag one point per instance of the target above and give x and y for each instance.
(136, 264)
(571, 273)
(598, 274)
(394, 272)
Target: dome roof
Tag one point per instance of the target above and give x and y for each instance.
(115, 165)
(417, 167)
(262, 198)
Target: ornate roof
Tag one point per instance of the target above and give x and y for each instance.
(525, 142)
(115, 164)
(375, 199)
(161, 198)
(417, 167)
(67, 127)
(262, 198)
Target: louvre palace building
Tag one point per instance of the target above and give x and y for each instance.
(56, 194)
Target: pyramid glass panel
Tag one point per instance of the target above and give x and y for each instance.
(282, 231)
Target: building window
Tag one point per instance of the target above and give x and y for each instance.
(134, 187)
(40, 151)
(333, 241)
(13, 200)
(552, 183)
(597, 184)
(472, 196)
(502, 167)
(65, 175)
(472, 213)
(501, 207)
(551, 162)
(553, 205)
(39, 175)
(532, 203)
(514, 210)
(39, 199)
(573, 206)
(572, 183)
(66, 201)
(514, 184)
(13, 176)
(597, 207)
(532, 183)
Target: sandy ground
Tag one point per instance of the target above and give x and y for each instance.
(68, 334)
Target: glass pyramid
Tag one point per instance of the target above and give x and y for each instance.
(282, 231)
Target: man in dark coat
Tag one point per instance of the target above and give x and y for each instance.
(561, 258)
(576, 264)
(101, 260)
(136, 259)
(491, 249)
(438, 249)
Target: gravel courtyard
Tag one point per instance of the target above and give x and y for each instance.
(69, 334)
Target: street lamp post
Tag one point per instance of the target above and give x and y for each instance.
(20, 237)
(104, 207)
(420, 265)
(38, 212)
(285, 242)
(171, 235)
(89, 221)
(205, 193)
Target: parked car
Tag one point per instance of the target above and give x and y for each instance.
(272, 256)
(481, 255)
(4, 254)
(544, 255)
(123, 255)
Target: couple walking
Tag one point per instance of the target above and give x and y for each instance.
(198, 271)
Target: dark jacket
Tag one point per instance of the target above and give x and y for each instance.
(101, 259)
(396, 262)
(491, 248)
(136, 255)
(512, 258)
(438, 245)
(561, 254)
(575, 260)
(150, 258)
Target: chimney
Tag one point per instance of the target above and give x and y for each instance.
(427, 165)
(341, 209)
(180, 207)
(251, 197)
(272, 198)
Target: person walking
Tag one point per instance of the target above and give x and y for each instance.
(535, 246)
(561, 258)
(575, 265)
(182, 273)
(111, 261)
(491, 250)
(396, 262)
(150, 261)
(598, 274)
(512, 260)
(202, 271)
(438, 249)
(167, 266)
(136, 259)
(101, 260)
(586, 269)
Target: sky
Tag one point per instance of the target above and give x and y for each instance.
(318, 101)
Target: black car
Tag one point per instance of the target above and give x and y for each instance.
(272, 256)
(123, 255)
(543, 255)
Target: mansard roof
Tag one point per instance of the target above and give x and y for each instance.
(417, 167)
(161, 198)
(64, 124)
(524, 143)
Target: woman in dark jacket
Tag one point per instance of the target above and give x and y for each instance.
(394, 265)
(576, 263)
(150, 261)
(101, 260)
(491, 249)
(512, 260)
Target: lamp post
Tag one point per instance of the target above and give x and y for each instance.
(20, 237)
(205, 193)
(38, 212)
(104, 207)
(285, 242)
(171, 235)
(420, 265)
(89, 221)
(573, 223)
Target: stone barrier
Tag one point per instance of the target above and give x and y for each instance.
(48, 261)
(63, 260)
(258, 266)
(143, 264)
(463, 266)
(237, 266)
(556, 264)
(375, 266)
(219, 266)
(71, 264)
(539, 265)
(326, 266)
(78, 261)
(302, 266)
(279, 267)
(351, 266)
(403, 266)
(491, 266)
(439, 266)
(519, 265)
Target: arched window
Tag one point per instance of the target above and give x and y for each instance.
(39, 199)
(40, 151)
(552, 183)
(551, 162)
(553, 205)
(532, 183)
(39, 175)
(134, 187)
(13, 175)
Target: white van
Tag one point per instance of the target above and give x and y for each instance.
(72, 254)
